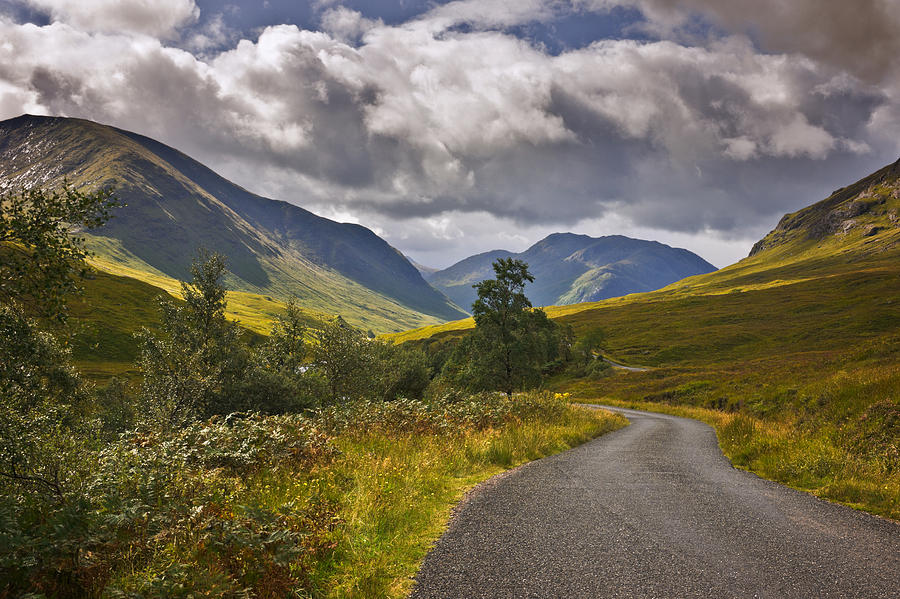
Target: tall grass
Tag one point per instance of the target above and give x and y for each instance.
(395, 492)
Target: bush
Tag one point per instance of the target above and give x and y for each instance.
(115, 408)
(449, 414)
(159, 517)
(400, 372)
(274, 392)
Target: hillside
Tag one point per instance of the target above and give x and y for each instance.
(571, 268)
(851, 238)
(175, 205)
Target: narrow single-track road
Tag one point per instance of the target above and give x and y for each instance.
(655, 510)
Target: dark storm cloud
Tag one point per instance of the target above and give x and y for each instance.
(858, 36)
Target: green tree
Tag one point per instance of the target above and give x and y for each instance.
(286, 350)
(42, 398)
(587, 360)
(279, 379)
(41, 258)
(343, 355)
(41, 402)
(511, 341)
(588, 345)
(196, 356)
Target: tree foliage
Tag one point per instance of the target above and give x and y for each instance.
(42, 259)
(41, 401)
(196, 355)
(278, 378)
(589, 344)
(341, 354)
(511, 341)
(356, 367)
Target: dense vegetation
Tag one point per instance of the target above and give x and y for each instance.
(304, 463)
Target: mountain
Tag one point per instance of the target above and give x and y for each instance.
(425, 271)
(175, 205)
(571, 268)
(866, 208)
(826, 277)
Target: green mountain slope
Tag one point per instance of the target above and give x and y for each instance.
(175, 205)
(572, 268)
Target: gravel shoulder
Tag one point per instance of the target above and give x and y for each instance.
(655, 510)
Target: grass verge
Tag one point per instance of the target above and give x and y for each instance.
(396, 492)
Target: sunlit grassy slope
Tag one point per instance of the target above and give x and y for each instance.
(820, 261)
(115, 307)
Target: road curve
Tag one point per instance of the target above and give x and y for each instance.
(654, 510)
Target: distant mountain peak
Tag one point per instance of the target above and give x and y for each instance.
(570, 268)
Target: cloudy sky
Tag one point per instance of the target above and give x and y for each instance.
(457, 127)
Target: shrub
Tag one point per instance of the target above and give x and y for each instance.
(598, 368)
(448, 414)
(158, 517)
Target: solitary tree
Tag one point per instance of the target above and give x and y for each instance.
(511, 340)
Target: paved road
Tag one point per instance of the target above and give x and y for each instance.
(623, 367)
(655, 510)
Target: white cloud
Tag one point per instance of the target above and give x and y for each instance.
(798, 138)
(426, 122)
(159, 18)
(347, 25)
(214, 34)
(491, 13)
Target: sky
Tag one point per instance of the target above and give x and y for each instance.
(457, 127)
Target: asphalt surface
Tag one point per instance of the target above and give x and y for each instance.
(654, 510)
(623, 367)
